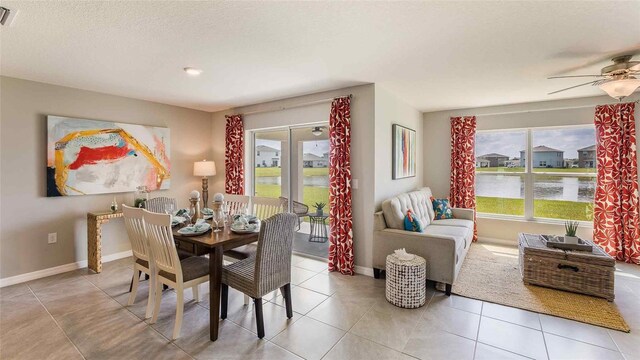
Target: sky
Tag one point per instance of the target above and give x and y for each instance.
(314, 147)
(510, 143)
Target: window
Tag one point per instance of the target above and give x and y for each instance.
(559, 185)
(500, 186)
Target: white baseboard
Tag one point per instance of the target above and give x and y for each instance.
(58, 269)
(363, 270)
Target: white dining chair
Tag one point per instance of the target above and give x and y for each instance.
(157, 205)
(169, 269)
(142, 260)
(236, 204)
(265, 207)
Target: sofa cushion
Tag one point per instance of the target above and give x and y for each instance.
(441, 208)
(456, 233)
(395, 208)
(454, 222)
(411, 223)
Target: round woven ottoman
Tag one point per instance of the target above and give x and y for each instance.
(406, 281)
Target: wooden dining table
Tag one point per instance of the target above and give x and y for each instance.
(216, 243)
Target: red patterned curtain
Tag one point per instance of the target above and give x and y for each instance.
(463, 164)
(615, 212)
(340, 218)
(234, 155)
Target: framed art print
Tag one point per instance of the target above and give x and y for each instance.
(404, 152)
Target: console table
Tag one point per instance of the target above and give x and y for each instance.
(94, 236)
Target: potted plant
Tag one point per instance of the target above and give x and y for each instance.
(570, 228)
(319, 208)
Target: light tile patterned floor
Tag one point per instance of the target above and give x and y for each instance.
(82, 315)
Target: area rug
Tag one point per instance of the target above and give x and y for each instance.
(491, 273)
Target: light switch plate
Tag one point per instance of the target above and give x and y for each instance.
(354, 183)
(52, 238)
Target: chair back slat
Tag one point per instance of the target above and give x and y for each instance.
(134, 223)
(236, 204)
(157, 205)
(273, 255)
(264, 207)
(163, 247)
(298, 207)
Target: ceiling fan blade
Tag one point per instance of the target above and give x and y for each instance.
(574, 76)
(573, 87)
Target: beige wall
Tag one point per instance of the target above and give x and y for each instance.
(362, 148)
(541, 114)
(392, 110)
(27, 215)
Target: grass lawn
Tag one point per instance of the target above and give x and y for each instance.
(311, 194)
(554, 209)
(274, 171)
(549, 170)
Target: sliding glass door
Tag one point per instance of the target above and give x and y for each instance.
(271, 163)
(293, 164)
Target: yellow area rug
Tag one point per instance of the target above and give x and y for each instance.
(491, 273)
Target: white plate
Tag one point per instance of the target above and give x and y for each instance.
(186, 232)
(245, 231)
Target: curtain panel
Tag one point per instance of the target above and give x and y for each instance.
(340, 216)
(234, 155)
(463, 165)
(615, 211)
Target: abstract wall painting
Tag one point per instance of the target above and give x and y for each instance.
(404, 152)
(97, 157)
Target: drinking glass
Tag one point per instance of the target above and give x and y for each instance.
(217, 217)
(168, 209)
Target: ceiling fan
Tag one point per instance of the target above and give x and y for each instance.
(618, 79)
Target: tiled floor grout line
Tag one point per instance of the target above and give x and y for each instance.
(475, 345)
(505, 350)
(142, 320)
(544, 338)
(56, 322)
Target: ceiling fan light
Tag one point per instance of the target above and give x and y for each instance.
(622, 88)
(317, 131)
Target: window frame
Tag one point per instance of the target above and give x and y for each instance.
(529, 176)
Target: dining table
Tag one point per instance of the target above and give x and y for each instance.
(215, 243)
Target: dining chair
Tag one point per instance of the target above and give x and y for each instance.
(142, 260)
(157, 205)
(169, 269)
(299, 208)
(236, 204)
(267, 271)
(265, 207)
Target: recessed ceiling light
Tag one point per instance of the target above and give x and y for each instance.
(192, 71)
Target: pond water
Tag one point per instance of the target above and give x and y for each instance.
(569, 188)
(313, 181)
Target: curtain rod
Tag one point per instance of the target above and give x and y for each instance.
(281, 108)
(552, 109)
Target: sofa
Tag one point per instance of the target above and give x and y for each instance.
(443, 243)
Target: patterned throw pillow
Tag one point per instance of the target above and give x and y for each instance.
(411, 223)
(441, 208)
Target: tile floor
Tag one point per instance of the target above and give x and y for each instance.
(82, 315)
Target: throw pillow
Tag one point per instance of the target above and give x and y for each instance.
(411, 223)
(441, 208)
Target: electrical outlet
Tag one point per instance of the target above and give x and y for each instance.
(52, 238)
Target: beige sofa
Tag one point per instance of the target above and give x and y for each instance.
(443, 243)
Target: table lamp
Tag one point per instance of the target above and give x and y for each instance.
(205, 169)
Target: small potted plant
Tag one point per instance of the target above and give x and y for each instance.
(570, 228)
(319, 208)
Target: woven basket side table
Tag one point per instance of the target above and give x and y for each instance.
(406, 281)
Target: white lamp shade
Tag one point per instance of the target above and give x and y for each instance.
(620, 88)
(204, 168)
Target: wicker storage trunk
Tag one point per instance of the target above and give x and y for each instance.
(590, 273)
